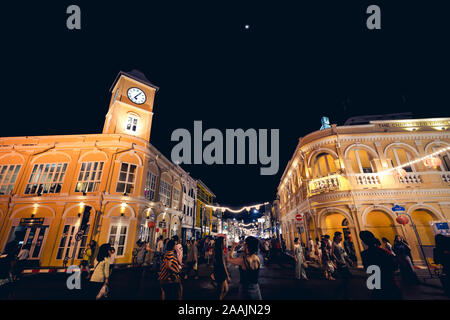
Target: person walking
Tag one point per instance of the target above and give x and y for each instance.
(169, 278)
(350, 249)
(374, 255)
(221, 274)
(266, 246)
(327, 263)
(98, 285)
(85, 261)
(388, 245)
(249, 266)
(319, 251)
(312, 250)
(7, 264)
(179, 252)
(22, 258)
(299, 257)
(403, 252)
(112, 259)
(192, 260)
(158, 256)
(342, 262)
(441, 255)
(140, 253)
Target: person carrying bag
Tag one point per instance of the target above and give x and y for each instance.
(99, 282)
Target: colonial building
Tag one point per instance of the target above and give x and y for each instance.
(349, 178)
(204, 214)
(122, 187)
(189, 199)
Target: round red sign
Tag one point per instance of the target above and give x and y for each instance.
(299, 217)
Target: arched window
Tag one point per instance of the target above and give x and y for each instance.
(361, 161)
(445, 159)
(132, 123)
(324, 165)
(399, 157)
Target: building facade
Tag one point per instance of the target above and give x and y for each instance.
(204, 214)
(133, 192)
(189, 202)
(349, 178)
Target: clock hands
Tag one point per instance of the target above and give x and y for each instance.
(138, 95)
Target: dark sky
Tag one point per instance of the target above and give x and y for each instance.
(294, 65)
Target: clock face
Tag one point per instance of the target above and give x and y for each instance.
(136, 95)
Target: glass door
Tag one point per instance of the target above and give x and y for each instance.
(34, 237)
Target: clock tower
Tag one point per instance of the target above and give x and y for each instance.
(131, 107)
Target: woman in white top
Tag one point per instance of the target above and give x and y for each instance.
(100, 276)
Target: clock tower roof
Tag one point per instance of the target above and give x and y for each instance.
(135, 75)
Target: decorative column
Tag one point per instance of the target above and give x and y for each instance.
(354, 213)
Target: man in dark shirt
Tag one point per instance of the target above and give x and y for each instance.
(375, 255)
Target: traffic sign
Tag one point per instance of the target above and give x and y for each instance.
(398, 208)
(299, 217)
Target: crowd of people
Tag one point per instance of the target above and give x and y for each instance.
(174, 261)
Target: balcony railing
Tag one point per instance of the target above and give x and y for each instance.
(445, 176)
(325, 184)
(410, 177)
(367, 178)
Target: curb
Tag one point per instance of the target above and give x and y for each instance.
(64, 270)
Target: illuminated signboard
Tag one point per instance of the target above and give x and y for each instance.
(31, 221)
(440, 122)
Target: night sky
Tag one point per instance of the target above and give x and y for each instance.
(292, 66)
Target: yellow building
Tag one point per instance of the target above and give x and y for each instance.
(133, 190)
(204, 214)
(348, 178)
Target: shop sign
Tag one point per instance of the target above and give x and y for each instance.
(31, 221)
(445, 122)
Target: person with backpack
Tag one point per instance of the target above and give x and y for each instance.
(99, 283)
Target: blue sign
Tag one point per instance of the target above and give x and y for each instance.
(442, 226)
(398, 208)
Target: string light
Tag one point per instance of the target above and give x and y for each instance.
(248, 208)
(415, 161)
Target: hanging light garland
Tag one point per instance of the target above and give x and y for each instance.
(247, 208)
(432, 162)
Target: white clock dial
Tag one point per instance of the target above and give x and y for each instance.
(136, 95)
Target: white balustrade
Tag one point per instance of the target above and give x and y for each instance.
(410, 177)
(445, 176)
(367, 178)
(325, 184)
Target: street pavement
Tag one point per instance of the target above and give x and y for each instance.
(276, 281)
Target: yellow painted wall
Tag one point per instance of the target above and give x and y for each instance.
(381, 225)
